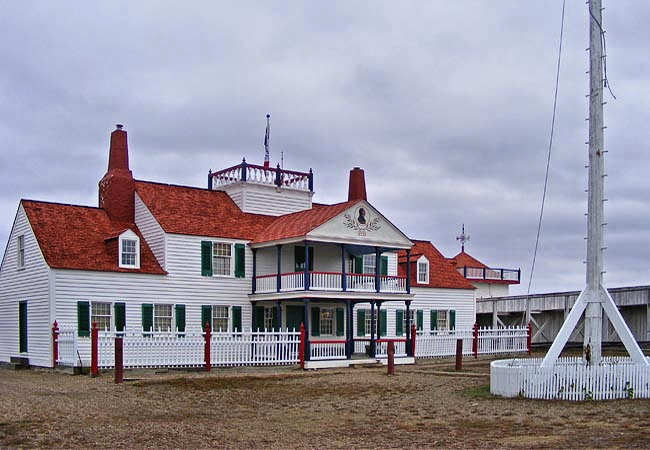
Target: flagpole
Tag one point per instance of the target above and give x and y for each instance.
(267, 136)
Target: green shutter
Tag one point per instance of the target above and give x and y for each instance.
(420, 319)
(433, 317)
(83, 319)
(452, 319)
(22, 327)
(274, 317)
(180, 318)
(120, 316)
(361, 322)
(259, 318)
(383, 265)
(206, 258)
(358, 264)
(399, 322)
(206, 316)
(382, 322)
(315, 321)
(340, 321)
(240, 261)
(236, 318)
(147, 317)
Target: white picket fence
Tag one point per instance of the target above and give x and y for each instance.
(176, 350)
(68, 354)
(491, 341)
(570, 379)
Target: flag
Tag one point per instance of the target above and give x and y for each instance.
(266, 141)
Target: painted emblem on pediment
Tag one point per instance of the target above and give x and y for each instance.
(361, 221)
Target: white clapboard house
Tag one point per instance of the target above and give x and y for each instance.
(252, 250)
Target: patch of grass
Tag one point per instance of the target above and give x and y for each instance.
(482, 391)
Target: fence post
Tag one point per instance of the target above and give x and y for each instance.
(55, 343)
(207, 347)
(391, 358)
(94, 334)
(301, 348)
(119, 360)
(529, 338)
(475, 341)
(413, 334)
(459, 354)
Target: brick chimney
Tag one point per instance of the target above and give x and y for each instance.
(117, 188)
(357, 186)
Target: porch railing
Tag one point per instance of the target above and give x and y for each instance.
(487, 273)
(327, 349)
(329, 281)
(262, 175)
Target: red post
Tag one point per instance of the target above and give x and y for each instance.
(391, 358)
(459, 354)
(475, 341)
(301, 348)
(207, 347)
(55, 343)
(529, 339)
(413, 333)
(94, 334)
(119, 360)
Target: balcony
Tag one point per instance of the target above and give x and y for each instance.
(329, 281)
(272, 176)
(490, 274)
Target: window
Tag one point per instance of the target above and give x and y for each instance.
(443, 323)
(413, 319)
(369, 321)
(220, 316)
(269, 316)
(423, 270)
(162, 317)
(20, 251)
(327, 322)
(129, 250)
(100, 313)
(369, 263)
(221, 257)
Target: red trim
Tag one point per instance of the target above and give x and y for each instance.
(93, 350)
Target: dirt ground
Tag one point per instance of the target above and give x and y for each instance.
(425, 405)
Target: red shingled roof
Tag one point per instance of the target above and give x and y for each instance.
(441, 273)
(199, 212)
(78, 237)
(464, 260)
(302, 222)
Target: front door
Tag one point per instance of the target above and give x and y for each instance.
(22, 327)
(295, 316)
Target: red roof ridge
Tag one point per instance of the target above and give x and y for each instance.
(27, 200)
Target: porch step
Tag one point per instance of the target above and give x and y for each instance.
(19, 362)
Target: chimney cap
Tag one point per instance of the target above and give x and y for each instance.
(119, 126)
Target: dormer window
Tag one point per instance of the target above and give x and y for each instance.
(129, 247)
(423, 270)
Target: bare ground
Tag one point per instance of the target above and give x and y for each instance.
(425, 405)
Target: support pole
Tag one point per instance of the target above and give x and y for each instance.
(391, 358)
(94, 335)
(206, 348)
(301, 354)
(119, 359)
(55, 343)
(373, 344)
(459, 354)
(475, 340)
(413, 334)
(529, 339)
(408, 328)
(306, 326)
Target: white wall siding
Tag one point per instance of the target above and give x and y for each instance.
(268, 199)
(487, 290)
(151, 230)
(30, 284)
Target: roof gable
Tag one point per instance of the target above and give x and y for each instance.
(441, 273)
(465, 260)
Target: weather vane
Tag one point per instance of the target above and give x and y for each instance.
(462, 238)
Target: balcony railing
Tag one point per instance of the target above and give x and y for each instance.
(274, 176)
(486, 273)
(329, 281)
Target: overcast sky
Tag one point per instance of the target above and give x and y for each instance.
(446, 105)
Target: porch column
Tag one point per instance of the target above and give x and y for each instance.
(408, 271)
(349, 336)
(254, 270)
(306, 265)
(279, 268)
(343, 279)
(373, 348)
(408, 326)
(377, 271)
(305, 322)
(279, 315)
(379, 320)
(495, 314)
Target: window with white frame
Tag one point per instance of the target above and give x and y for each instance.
(412, 321)
(220, 316)
(20, 251)
(100, 313)
(162, 317)
(369, 263)
(443, 320)
(423, 270)
(268, 318)
(369, 321)
(327, 321)
(221, 258)
(129, 250)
